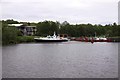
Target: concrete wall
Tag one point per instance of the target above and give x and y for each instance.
(119, 12)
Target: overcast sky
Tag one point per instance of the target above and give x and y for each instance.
(73, 11)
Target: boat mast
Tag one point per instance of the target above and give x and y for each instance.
(54, 34)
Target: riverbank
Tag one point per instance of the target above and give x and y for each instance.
(25, 39)
(28, 39)
(101, 39)
(20, 39)
(114, 39)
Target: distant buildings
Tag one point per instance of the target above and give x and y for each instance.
(25, 30)
(16, 25)
(119, 12)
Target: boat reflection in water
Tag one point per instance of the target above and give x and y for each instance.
(53, 38)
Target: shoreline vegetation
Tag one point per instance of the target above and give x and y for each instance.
(11, 35)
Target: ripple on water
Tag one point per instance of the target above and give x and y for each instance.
(65, 60)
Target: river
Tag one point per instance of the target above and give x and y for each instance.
(60, 60)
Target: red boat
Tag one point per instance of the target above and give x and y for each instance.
(92, 39)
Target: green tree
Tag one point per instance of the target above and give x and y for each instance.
(47, 28)
(9, 35)
(11, 21)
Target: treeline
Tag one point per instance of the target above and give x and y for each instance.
(78, 30)
(13, 35)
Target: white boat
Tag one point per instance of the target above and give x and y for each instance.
(49, 38)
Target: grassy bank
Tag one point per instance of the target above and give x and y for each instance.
(19, 39)
(25, 39)
(115, 39)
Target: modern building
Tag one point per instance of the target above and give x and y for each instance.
(16, 25)
(119, 12)
(25, 30)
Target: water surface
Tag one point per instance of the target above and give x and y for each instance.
(61, 60)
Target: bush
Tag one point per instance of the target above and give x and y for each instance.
(9, 35)
(21, 39)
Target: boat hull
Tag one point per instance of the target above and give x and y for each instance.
(39, 40)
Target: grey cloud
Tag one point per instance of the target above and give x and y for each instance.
(74, 11)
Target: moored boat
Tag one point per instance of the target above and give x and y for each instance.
(49, 38)
(93, 39)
